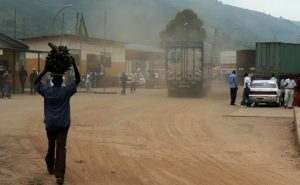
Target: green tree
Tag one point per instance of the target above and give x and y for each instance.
(185, 27)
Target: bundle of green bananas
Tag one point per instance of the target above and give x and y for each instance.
(59, 60)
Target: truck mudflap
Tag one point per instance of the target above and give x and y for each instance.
(192, 89)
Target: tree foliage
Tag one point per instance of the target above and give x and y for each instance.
(185, 27)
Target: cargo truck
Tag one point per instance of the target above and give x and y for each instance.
(245, 63)
(278, 58)
(189, 68)
(227, 63)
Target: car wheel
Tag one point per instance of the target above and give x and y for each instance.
(277, 104)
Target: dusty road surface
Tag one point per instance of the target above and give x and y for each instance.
(146, 138)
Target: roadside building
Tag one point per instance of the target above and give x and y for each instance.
(146, 61)
(92, 55)
(12, 57)
(100, 56)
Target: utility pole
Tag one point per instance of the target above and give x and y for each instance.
(62, 27)
(104, 52)
(15, 24)
(63, 22)
(24, 27)
(104, 30)
(213, 57)
(77, 24)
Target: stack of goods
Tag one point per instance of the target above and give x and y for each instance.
(59, 60)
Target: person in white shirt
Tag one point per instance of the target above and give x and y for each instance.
(88, 82)
(289, 84)
(246, 98)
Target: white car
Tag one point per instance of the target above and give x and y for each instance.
(264, 91)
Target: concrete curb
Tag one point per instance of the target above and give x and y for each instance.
(297, 125)
(99, 92)
(109, 90)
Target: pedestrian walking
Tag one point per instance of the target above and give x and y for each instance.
(88, 83)
(23, 77)
(57, 119)
(133, 82)
(32, 79)
(233, 87)
(123, 80)
(246, 92)
(289, 84)
(7, 84)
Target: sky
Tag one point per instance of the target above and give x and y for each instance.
(288, 9)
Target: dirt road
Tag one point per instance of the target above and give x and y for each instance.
(146, 138)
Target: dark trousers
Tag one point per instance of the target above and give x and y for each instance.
(32, 90)
(132, 86)
(56, 155)
(282, 97)
(246, 97)
(233, 95)
(6, 90)
(22, 85)
(123, 92)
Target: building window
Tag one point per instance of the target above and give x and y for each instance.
(77, 59)
(98, 62)
(93, 63)
(106, 59)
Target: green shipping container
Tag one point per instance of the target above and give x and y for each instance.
(278, 58)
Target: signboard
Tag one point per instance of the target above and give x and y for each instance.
(1, 51)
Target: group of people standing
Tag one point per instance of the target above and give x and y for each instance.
(133, 83)
(23, 75)
(290, 90)
(7, 82)
(233, 83)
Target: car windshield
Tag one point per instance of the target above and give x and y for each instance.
(263, 85)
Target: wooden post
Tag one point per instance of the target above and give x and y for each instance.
(14, 72)
(39, 63)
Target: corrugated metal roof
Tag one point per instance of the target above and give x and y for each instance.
(145, 48)
(188, 44)
(12, 43)
(72, 36)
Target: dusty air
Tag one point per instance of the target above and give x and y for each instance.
(197, 92)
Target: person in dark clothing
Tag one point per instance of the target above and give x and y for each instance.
(123, 80)
(233, 87)
(246, 98)
(296, 102)
(23, 77)
(7, 85)
(32, 78)
(57, 119)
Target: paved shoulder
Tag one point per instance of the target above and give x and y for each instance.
(272, 112)
(297, 124)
